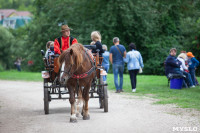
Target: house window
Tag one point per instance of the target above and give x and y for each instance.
(12, 24)
(5, 23)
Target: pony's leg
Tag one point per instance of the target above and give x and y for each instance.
(78, 103)
(85, 111)
(72, 102)
(83, 107)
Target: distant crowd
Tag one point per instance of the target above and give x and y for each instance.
(183, 66)
(117, 55)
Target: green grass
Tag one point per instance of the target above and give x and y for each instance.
(150, 86)
(156, 87)
(15, 75)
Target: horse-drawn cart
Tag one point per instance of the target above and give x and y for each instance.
(54, 89)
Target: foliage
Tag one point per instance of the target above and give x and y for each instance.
(6, 39)
(21, 5)
(190, 29)
(154, 26)
(1, 68)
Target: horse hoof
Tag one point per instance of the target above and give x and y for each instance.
(86, 117)
(72, 120)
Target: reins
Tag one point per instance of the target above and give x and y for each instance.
(84, 75)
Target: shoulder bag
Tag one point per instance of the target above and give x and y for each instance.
(119, 51)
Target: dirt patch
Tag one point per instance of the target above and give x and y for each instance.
(22, 111)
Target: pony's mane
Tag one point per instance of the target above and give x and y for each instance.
(76, 50)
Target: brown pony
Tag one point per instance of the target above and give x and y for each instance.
(77, 73)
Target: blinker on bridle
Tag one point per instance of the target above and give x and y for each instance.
(69, 71)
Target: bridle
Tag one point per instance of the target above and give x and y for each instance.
(69, 71)
(80, 76)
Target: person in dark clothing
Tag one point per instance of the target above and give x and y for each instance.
(18, 64)
(172, 65)
(96, 37)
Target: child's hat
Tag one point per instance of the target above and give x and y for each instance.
(190, 54)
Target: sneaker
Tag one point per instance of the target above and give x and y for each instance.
(121, 90)
(192, 86)
(118, 91)
(133, 90)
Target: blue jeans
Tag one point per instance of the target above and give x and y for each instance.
(18, 68)
(118, 69)
(106, 69)
(188, 78)
(192, 73)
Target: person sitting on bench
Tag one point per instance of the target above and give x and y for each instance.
(183, 67)
(172, 65)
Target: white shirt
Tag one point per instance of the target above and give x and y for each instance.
(183, 66)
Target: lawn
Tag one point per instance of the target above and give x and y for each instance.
(15, 75)
(151, 86)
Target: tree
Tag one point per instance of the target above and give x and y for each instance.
(6, 39)
(154, 26)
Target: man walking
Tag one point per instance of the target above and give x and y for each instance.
(117, 52)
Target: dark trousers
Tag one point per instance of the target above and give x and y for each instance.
(18, 68)
(133, 77)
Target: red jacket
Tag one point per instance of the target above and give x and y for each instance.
(65, 44)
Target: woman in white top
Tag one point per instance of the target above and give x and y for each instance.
(135, 61)
(184, 68)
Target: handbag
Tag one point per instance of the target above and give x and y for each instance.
(140, 70)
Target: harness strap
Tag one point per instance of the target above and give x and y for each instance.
(91, 58)
(84, 75)
(77, 88)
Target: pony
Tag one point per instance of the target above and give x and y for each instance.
(77, 71)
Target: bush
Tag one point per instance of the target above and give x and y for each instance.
(1, 68)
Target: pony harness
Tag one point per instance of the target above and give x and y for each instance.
(84, 75)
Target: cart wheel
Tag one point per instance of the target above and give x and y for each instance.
(46, 97)
(105, 99)
(101, 104)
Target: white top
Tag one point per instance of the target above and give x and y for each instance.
(183, 66)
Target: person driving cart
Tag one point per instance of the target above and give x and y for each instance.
(65, 41)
